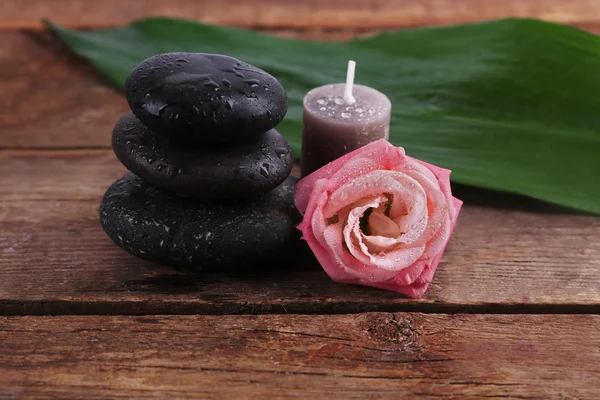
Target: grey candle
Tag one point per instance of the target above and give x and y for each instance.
(340, 118)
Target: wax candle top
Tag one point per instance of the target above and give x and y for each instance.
(327, 103)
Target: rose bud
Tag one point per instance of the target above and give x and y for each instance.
(377, 217)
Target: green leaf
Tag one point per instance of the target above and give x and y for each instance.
(510, 105)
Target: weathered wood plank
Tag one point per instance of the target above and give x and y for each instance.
(361, 356)
(51, 99)
(55, 258)
(303, 14)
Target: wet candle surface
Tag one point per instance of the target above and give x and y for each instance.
(335, 125)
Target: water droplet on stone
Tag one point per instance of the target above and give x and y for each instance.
(229, 104)
(211, 84)
(359, 110)
(280, 151)
(264, 170)
(154, 108)
(269, 113)
(226, 82)
(253, 83)
(338, 100)
(346, 115)
(322, 101)
(323, 108)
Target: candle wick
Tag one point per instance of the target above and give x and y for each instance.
(348, 98)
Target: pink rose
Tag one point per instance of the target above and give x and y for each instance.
(377, 217)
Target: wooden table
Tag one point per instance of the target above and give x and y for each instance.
(512, 312)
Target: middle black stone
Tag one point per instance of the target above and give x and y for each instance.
(245, 170)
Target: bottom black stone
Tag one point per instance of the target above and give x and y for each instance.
(201, 234)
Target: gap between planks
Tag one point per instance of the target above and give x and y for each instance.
(166, 308)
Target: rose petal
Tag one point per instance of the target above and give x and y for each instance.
(350, 264)
(382, 225)
(410, 274)
(383, 152)
(405, 245)
(351, 230)
(437, 208)
(375, 183)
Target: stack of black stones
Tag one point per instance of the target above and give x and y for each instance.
(209, 183)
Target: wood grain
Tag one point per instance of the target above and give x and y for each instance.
(55, 258)
(18, 14)
(361, 356)
(52, 99)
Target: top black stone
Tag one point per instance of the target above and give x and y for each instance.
(205, 97)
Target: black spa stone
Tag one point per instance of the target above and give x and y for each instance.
(200, 234)
(205, 97)
(248, 169)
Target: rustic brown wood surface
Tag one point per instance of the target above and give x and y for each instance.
(497, 256)
(299, 14)
(508, 255)
(302, 357)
